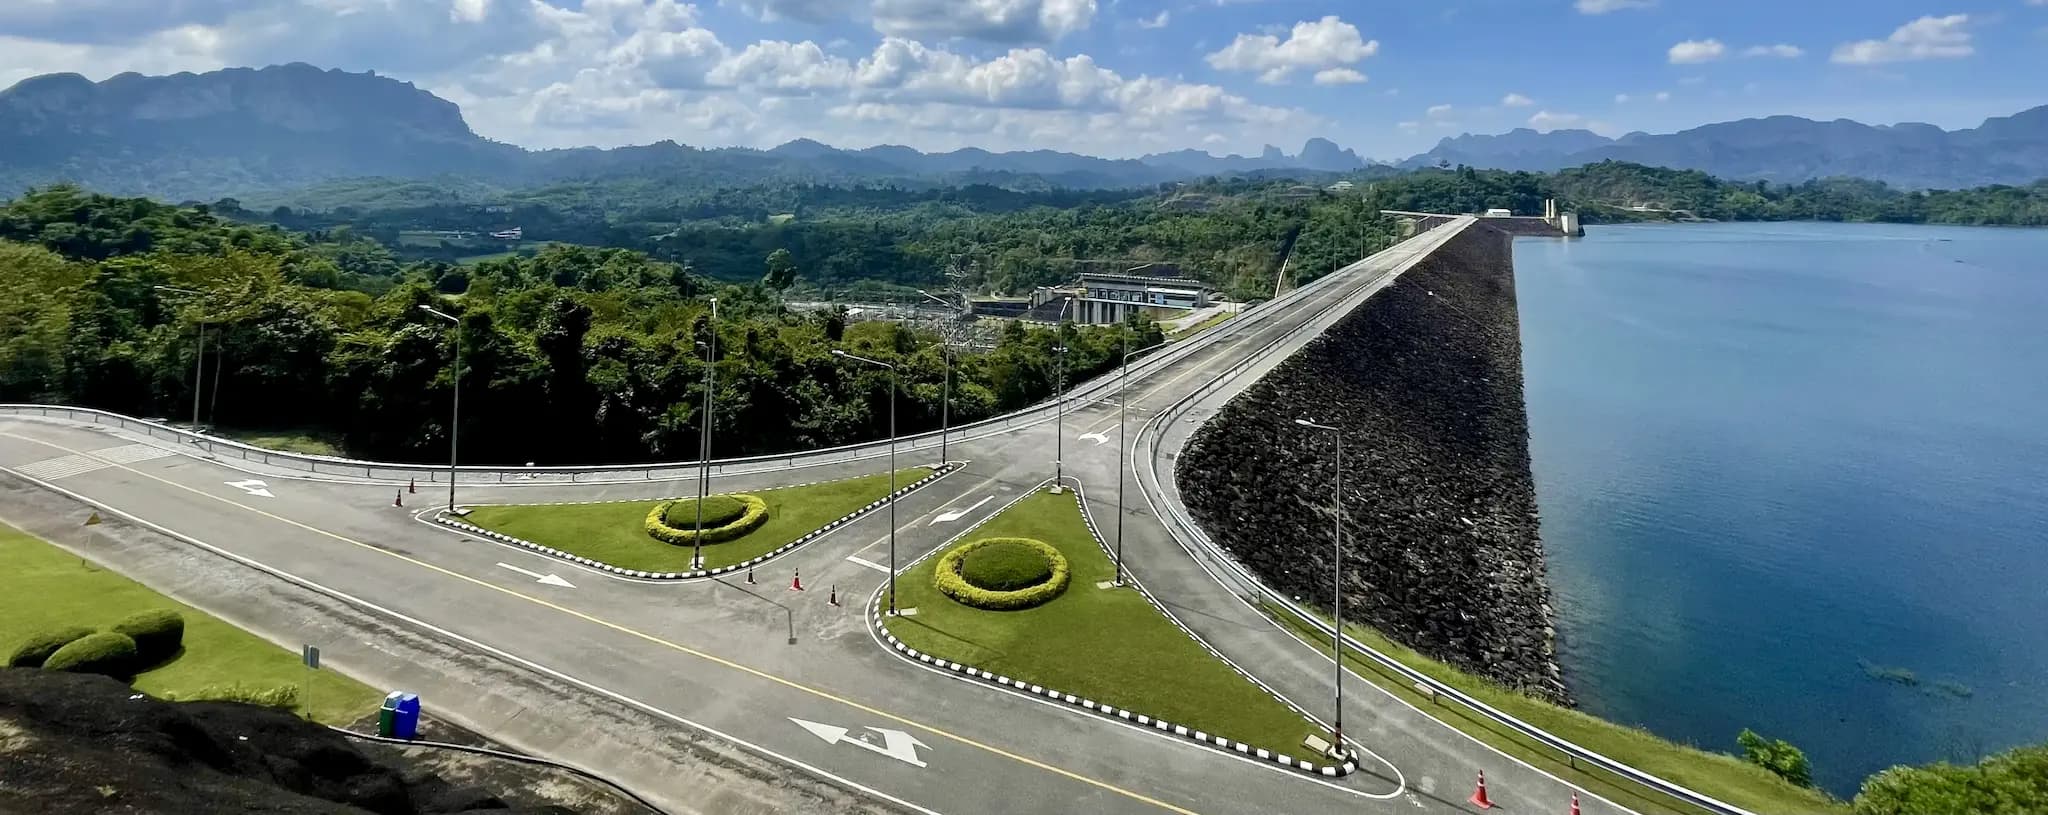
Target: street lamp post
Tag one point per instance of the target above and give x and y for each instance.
(1337, 580)
(455, 419)
(1123, 400)
(704, 439)
(198, 364)
(946, 386)
(1059, 402)
(892, 466)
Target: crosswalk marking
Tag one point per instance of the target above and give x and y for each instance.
(67, 466)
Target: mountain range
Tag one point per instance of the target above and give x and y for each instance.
(241, 130)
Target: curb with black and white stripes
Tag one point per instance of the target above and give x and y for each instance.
(1349, 765)
(937, 473)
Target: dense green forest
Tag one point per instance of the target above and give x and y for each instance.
(574, 355)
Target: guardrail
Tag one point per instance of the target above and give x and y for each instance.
(1080, 395)
(1190, 536)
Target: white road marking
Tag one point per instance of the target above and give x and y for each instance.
(868, 563)
(252, 487)
(895, 744)
(954, 515)
(1100, 438)
(78, 464)
(543, 579)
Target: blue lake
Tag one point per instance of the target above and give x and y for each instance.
(1781, 465)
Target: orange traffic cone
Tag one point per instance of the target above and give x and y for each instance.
(398, 500)
(1478, 798)
(412, 485)
(796, 582)
(1575, 803)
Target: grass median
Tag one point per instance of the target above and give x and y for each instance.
(1109, 645)
(1722, 776)
(616, 533)
(44, 588)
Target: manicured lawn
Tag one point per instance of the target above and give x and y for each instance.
(614, 532)
(1719, 775)
(44, 588)
(1109, 645)
(1197, 328)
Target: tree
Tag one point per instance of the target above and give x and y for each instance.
(2010, 783)
(1778, 756)
(781, 270)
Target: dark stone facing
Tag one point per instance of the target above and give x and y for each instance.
(1441, 548)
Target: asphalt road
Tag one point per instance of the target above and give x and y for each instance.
(634, 679)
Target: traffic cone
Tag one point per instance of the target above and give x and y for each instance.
(1478, 798)
(833, 598)
(412, 485)
(398, 500)
(796, 582)
(1575, 803)
(750, 575)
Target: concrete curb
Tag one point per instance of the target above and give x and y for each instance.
(874, 617)
(941, 471)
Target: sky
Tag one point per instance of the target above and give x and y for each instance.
(1106, 77)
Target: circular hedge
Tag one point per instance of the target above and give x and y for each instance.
(105, 653)
(158, 633)
(1005, 566)
(719, 510)
(37, 649)
(1002, 561)
(753, 513)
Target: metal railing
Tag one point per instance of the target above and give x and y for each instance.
(1082, 395)
(1191, 537)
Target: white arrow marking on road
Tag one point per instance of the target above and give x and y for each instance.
(1100, 438)
(947, 517)
(252, 487)
(895, 744)
(545, 579)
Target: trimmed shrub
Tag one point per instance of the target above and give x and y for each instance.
(719, 510)
(157, 633)
(755, 514)
(105, 653)
(38, 648)
(951, 583)
(284, 697)
(1005, 566)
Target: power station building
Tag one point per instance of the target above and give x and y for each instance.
(1110, 298)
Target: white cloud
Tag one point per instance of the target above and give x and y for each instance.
(1605, 6)
(1621, 99)
(1516, 100)
(1007, 21)
(1780, 51)
(1409, 126)
(1157, 21)
(469, 11)
(1339, 76)
(1438, 111)
(1546, 120)
(810, 11)
(1926, 38)
(1663, 96)
(1325, 43)
(1696, 51)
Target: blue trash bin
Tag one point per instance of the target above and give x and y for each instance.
(405, 716)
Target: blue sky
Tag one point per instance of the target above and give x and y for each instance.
(1108, 77)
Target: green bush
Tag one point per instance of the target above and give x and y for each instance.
(105, 653)
(284, 697)
(2010, 783)
(1778, 756)
(1005, 566)
(755, 514)
(951, 583)
(38, 648)
(719, 510)
(157, 632)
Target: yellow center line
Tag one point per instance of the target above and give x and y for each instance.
(712, 658)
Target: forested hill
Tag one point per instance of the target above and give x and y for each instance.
(594, 345)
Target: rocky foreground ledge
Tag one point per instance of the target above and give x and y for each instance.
(1441, 551)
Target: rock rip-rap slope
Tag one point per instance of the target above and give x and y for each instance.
(1441, 547)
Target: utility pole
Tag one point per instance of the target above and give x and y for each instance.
(455, 420)
(199, 362)
(946, 389)
(892, 466)
(704, 439)
(1123, 401)
(1337, 577)
(1059, 401)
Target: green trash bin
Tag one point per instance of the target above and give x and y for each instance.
(387, 716)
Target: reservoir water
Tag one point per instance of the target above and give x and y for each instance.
(1794, 477)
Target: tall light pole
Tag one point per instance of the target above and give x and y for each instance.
(946, 389)
(1337, 581)
(1123, 400)
(892, 467)
(1059, 401)
(704, 438)
(199, 363)
(455, 419)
